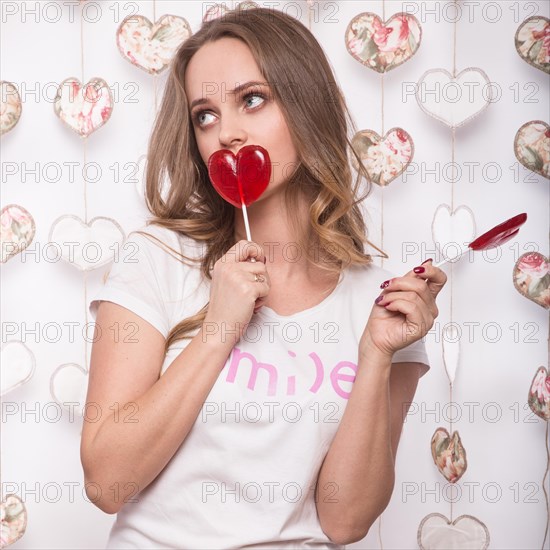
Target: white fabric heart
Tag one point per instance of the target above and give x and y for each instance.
(68, 385)
(18, 365)
(453, 231)
(87, 246)
(466, 532)
(454, 101)
(451, 350)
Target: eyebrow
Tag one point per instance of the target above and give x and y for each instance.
(238, 89)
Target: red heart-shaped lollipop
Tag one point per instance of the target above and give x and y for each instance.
(242, 178)
(500, 234)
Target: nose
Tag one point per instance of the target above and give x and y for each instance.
(232, 134)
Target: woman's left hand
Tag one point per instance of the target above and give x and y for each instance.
(405, 314)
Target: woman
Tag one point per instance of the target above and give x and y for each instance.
(251, 404)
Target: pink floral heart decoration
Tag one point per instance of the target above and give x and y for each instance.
(532, 147)
(533, 42)
(539, 394)
(532, 278)
(84, 109)
(10, 106)
(466, 532)
(17, 229)
(214, 12)
(449, 454)
(384, 158)
(13, 520)
(151, 47)
(383, 46)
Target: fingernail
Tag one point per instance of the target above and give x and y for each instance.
(379, 299)
(419, 270)
(265, 260)
(385, 284)
(428, 260)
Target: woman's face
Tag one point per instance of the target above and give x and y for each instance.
(227, 120)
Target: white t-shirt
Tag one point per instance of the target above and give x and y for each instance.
(246, 473)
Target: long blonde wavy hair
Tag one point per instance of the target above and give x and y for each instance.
(315, 111)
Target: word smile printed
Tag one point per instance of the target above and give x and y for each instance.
(242, 360)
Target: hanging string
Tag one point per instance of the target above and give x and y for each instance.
(155, 76)
(382, 137)
(547, 437)
(84, 174)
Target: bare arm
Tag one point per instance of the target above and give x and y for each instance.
(357, 477)
(144, 418)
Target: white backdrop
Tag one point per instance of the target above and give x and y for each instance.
(504, 336)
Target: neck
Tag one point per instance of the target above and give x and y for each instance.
(270, 228)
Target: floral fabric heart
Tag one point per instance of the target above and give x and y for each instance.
(384, 158)
(532, 147)
(18, 365)
(13, 520)
(449, 455)
(84, 109)
(539, 394)
(10, 106)
(383, 46)
(532, 278)
(68, 385)
(533, 42)
(454, 101)
(151, 47)
(89, 245)
(466, 532)
(17, 229)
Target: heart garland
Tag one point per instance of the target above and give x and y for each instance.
(451, 350)
(98, 241)
(531, 278)
(383, 46)
(68, 385)
(384, 158)
(532, 147)
(151, 47)
(18, 365)
(449, 454)
(84, 109)
(532, 42)
(466, 532)
(13, 520)
(17, 230)
(10, 109)
(452, 230)
(454, 103)
(539, 394)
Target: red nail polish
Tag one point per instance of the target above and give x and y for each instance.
(265, 260)
(428, 260)
(419, 270)
(385, 284)
(379, 299)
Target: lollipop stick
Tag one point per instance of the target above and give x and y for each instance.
(454, 258)
(247, 227)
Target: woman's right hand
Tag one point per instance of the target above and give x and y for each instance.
(234, 293)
